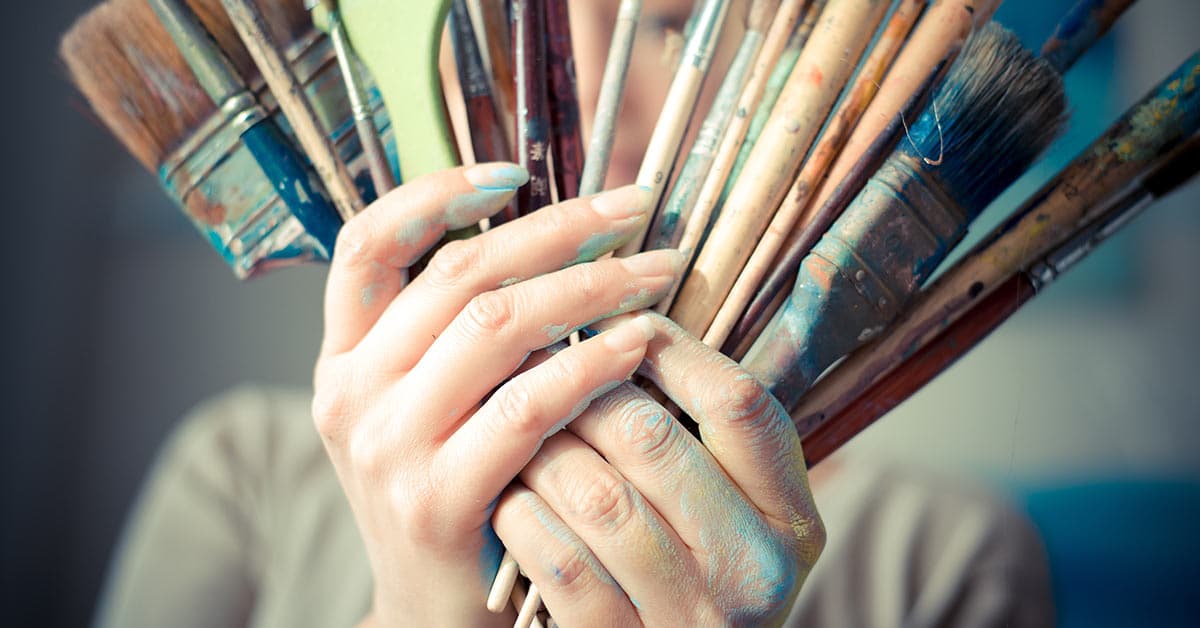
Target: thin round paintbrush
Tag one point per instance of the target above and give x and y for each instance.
(252, 26)
(985, 315)
(364, 119)
(496, 29)
(1081, 27)
(783, 36)
(489, 142)
(566, 136)
(1164, 117)
(843, 31)
(833, 137)
(996, 111)
(775, 82)
(667, 229)
(677, 111)
(608, 104)
(533, 107)
(154, 76)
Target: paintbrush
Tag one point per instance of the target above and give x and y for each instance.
(753, 321)
(665, 232)
(775, 82)
(242, 184)
(251, 25)
(1081, 27)
(938, 36)
(488, 139)
(533, 107)
(496, 27)
(1168, 114)
(833, 137)
(677, 111)
(943, 28)
(783, 38)
(998, 108)
(567, 136)
(985, 315)
(608, 104)
(364, 121)
(843, 31)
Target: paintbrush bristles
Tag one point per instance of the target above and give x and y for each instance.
(122, 60)
(988, 125)
(139, 84)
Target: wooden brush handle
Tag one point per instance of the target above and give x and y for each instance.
(843, 31)
(840, 125)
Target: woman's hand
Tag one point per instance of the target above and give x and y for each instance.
(404, 381)
(626, 519)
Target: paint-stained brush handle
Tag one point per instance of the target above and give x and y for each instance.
(533, 105)
(567, 135)
(1128, 148)
(608, 104)
(921, 367)
(1080, 28)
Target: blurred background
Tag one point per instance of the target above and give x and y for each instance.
(1084, 408)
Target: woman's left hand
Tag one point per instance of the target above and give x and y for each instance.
(627, 517)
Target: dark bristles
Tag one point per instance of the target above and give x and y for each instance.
(126, 65)
(998, 108)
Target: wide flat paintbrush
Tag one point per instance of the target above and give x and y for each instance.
(185, 111)
(996, 111)
(1066, 203)
(991, 311)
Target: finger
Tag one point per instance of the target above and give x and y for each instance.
(545, 241)
(398, 229)
(489, 449)
(499, 329)
(644, 555)
(742, 425)
(572, 581)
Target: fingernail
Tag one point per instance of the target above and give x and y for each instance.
(620, 203)
(655, 263)
(495, 177)
(629, 336)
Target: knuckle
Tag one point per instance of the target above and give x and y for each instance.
(568, 567)
(333, 403)
(744, 401)
(516, 409)
(602, 501)
(647, 429)
(354, 239)
(590, 284)
(490, 314)
(367, 455)
(568, 371)
(453, 263)
(774, 576)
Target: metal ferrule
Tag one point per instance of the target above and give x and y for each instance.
(702, 42)
(218, 183)
(859, 277)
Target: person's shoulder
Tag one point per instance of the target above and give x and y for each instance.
(259, 431)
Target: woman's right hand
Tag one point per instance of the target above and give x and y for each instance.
(404, 383)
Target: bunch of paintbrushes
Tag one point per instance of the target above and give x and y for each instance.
(848, 148)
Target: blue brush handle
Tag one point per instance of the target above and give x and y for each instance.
(859, 277)
(294, 181)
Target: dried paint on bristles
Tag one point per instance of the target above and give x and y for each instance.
(130, 71)
(135, 79)
(998, 109)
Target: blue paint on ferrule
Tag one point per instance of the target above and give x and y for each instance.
(294, 182)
